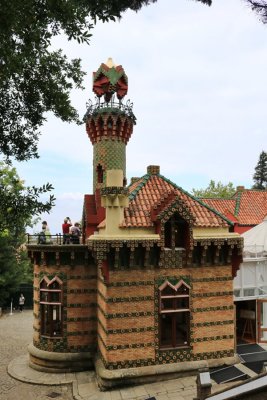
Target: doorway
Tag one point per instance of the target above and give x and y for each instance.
(246, 313)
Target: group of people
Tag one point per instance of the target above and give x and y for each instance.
(71, 233)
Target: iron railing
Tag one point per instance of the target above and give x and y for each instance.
(93, 109)
(57, 239)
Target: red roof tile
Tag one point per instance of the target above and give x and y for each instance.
(247, 207)
(154, 193)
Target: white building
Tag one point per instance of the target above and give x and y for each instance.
(250, 287)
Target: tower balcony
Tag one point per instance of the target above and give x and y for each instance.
(111, 119)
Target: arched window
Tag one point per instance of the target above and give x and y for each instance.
(51, 307)
(174, 315)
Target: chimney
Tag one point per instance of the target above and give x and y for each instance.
(153, 169)
(240, 188)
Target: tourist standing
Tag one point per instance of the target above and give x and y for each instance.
(21, 302)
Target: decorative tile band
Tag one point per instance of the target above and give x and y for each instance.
(212, 323)
(126, 315)
(83, 277)
(125, 299)
(211, 338)
(213, 294)
(81, 319)
(122, 331)
(81, 291)
(126, 346)
(216, 279)
(79, 305)
(124, 284)
(82, 333)
(167, 358)
(207, 309)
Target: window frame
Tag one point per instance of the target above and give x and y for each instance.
(51, 310)
(174, 313)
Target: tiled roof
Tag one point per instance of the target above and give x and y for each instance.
(247, 207)
(154, 193)
(225, 206)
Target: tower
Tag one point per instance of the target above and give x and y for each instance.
(109, 124)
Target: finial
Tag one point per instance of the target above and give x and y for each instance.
(110, 63)
(110, 79)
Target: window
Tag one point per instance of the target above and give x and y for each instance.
(100, 173)
(51, 307)
(176, 232)
(174, 315)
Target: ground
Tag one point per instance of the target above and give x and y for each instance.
(15, 335)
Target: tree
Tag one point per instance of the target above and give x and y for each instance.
(14, 267)
(18, 204)
(215, 190)
(33, 78)
(260, 7)
(260, 175)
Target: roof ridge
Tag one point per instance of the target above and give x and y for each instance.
(134, 193)
(237, 203)
(216, 198)
(197, 199)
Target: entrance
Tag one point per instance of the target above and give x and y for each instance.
(246, 321)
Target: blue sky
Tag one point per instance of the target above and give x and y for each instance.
(197, 78)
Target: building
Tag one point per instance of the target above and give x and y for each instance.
(246, 209)
(250, 286)
(149, 293)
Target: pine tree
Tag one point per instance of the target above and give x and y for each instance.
(260, 176)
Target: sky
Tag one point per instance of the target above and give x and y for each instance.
(198, 81)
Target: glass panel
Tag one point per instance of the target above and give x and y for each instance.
(182, 302)
(43, 284)
(55, 285)
(167, 304)
(181, 328)
(45, 322)
(249, 292)
(183, 290)
(166, 330)
(168, 291)
(263, 311)
(55, 297)
(43, 296)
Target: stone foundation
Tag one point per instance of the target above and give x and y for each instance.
(53, 362)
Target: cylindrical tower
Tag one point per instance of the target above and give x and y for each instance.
(109, 124)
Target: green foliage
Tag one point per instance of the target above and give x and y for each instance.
(14, 267)
(260, 175)
(18, 204)
(260, 7)
(33, 78)
(215, 190)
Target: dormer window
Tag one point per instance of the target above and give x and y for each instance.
(51, 306)
(176, 232)
(174, 315)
